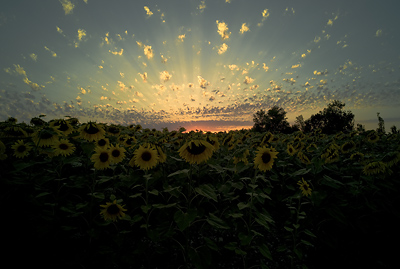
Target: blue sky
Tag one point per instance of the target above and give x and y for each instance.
(199, 64)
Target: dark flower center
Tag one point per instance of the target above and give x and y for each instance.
(46, 135)
(91, 129)
(115, 153)
(146, 156)
(63, 146)
(113, 209)
(113, 130)
(347, 146)
(21, 148)
(101, 142)
(62, 126)
(196, 150)
(103, 157)
(266, 157)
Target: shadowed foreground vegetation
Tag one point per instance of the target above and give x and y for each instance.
(105, 196)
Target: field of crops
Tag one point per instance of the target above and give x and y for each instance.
(96, 195)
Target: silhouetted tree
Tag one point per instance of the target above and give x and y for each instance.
(331, 120)
(274, 120)
(381, 124)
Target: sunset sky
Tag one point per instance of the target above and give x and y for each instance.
(206, 65)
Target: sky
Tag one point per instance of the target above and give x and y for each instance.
(200, 64)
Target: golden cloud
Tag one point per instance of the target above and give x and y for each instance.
(68, 6)
(244, 28)
(148, 11)
(223, 30)
(223, 48)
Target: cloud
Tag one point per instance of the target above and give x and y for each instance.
(248, 80)
(117, 52)
(53, 54)
(223, 48)
(202, 82)
(148, 11)
(202, 6)
(165, 76)
(81, 35)
(223, 30)
(68, 6)
(244, 28)
(143, 76)
(181, 37)
(378, 33)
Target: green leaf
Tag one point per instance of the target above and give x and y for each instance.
(308, 232)
(217, 222)
(145, 208)
(164, 206)
(264, 250)
(236, 215)
(154, 192)
(242, 205)
(301, 172)
(183, 171)
(328, 181)
(211, 244)
(306, 243)
(42, 194)
(288, 229)
(183, 219)
(207, 190)
(98, 195)
(135, 195)
(245, 239)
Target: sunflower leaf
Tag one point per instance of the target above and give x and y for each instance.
(264, 250)
(217, 222)
(207, 190)
(183, 171)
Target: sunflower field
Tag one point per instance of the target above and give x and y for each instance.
(96, 195)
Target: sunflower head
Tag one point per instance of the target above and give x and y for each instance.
(21, 149)
(265, 158)
(112, 211)
(144, 157)
(196, 151)
(62, 125)
(117, 154)
(290, 149)
(348, 146)
(91, 131)
(101, 158)
(47, 136)
(374, 168)
(304, 187)
(63, 147)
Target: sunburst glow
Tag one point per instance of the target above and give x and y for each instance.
(197, 63)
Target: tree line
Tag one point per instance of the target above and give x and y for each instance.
(330, 120)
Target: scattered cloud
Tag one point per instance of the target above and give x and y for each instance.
(33, 56)
(165, 76)
(53, 54)
(223, 48)
(244, 28)
(148, 11)
(378, 33)
(143, 76)
(120, 52)
(223, 30)
(202, 6)
(68, 6)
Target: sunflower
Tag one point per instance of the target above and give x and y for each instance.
(348, 146)
(45, 137)
(21, 149)
(196, 151)
(375, 168)
(102, 143)
(113, 130)
(373, 137)
(358, 157)
(265, 158)
(3, 154)
(392, 158)
(241, 157)
(117, 154)
(144, 157)
(312, 147)
(101, 158)
(267, 138)
(304, 187)
(303, 157)
(112, 211)
(91, 131)
(290, 149)
(162, 157)
(63, 126)
(63, 147)
(331, 155)
(213, 140)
